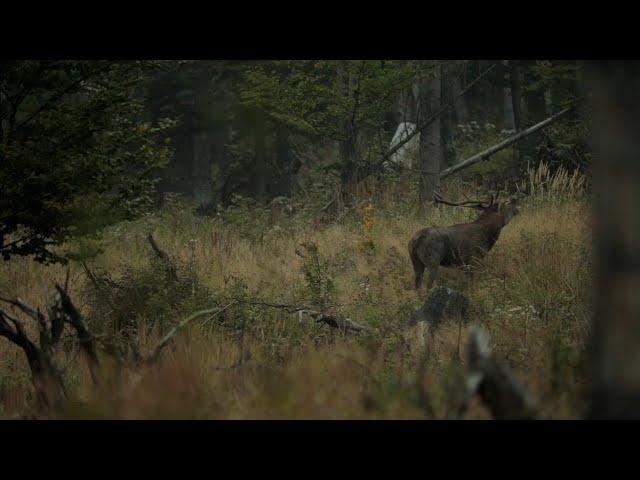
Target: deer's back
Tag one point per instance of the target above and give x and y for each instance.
(452, 245)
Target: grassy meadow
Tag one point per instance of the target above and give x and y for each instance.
(254, 361)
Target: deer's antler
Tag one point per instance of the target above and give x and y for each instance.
(469, 203)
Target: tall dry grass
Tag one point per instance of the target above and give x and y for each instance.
(532, 295)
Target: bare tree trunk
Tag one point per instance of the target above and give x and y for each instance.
(509, 120)
(201, 165)
(534, 96)
(516, 101)
(406, 109)
(348, 143)
(286, 161)
(430, 142)
(201, 170)
(260, 155)
(446, 97)
(460, 106)
(616, 177)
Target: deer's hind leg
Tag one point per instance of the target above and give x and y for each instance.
(430, 255)
(418, 269)
(433, 274)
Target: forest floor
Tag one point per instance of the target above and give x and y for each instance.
(532, 296)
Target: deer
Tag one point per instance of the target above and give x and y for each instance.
(461, 244)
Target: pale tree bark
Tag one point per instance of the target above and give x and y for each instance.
(509, 120)
(201, 161)
(406, 105)
(201, 170)
(516, 94)
(616, 178)
(447, 118)
(460, 106)
(430, 152)
(261, 173)
(534, 96)
(516, 101)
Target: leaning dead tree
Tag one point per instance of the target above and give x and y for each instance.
(46, 375)
(489, 152)
(170, 268)
(493, 383)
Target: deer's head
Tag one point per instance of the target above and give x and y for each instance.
(492, 208)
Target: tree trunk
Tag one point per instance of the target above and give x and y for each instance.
(516, 103)
(260, 175)
(460, 106)
(286, 161)
(446, 97)
(201, 165)
(348, 144)
(507, 97)
(616, 178)
(430, 142)
(534, 96)
(201, 170)
(406, 109)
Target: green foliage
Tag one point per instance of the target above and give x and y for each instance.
(319, 282)
(247, 216)
(344, 101)
(144, 294)
(76, 151)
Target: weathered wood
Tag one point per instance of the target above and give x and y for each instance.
(170, 268)
(343, 324)
(499, 390)
(45, 374)
(155, 353)
(85, 337)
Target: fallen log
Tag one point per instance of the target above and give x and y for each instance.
(343, 324)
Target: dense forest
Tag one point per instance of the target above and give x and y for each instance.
(246, 239)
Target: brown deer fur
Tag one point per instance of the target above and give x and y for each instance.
(458, 245)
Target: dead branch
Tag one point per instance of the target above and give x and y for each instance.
(98, 282)
(85, 337)
(499, 390)
(168, 264)
(343, 324)
(45, 375)
(155, 353)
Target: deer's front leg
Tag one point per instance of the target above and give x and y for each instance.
(433, 273)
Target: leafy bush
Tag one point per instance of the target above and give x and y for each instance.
(316, 273)
(143, 294)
